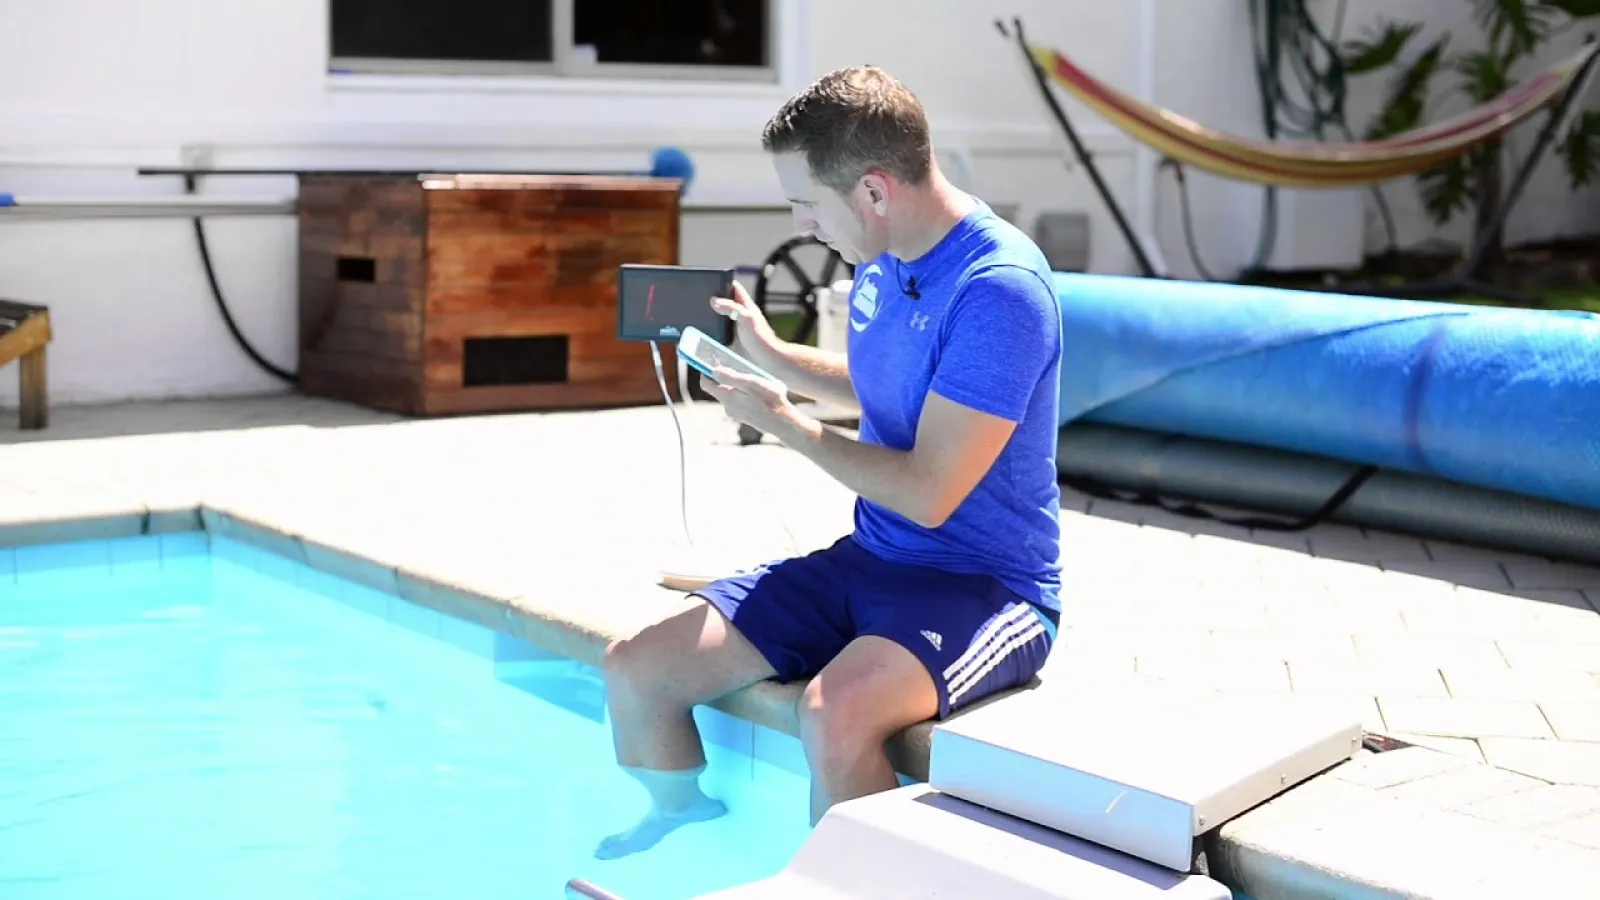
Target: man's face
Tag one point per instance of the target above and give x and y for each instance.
(854, 225)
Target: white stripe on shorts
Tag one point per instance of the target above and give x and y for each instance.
(982, 640)
(1016, 636)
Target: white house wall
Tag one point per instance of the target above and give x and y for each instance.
(100, 87)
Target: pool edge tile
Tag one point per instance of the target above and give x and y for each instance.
(365, 599)
(724, 730)
(511, 650)
(93, 554)
(274, 539)
(416, 619)
(177, 545)
(469, 637)
(138, 556)
(214, 520)
(352, 567)
(174, 520)
(22, 533)
(452, 600)
(770, 747)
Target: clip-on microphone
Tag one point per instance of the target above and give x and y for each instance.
(909, 288)
(655, 304)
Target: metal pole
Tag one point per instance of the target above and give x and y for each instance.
(1146, 267)
(578, 889)
(26, 207)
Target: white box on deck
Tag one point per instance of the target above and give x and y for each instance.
(833, 316)
(914, 843)
(833, 334)
(1143, 771)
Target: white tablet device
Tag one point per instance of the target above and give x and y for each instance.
(705, 353)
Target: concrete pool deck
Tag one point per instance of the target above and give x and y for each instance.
(551, 526)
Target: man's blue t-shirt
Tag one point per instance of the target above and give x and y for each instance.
(976, 320)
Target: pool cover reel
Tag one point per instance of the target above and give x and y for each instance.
(1482, 423)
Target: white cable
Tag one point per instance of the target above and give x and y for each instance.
(684, 394)
(683, 466)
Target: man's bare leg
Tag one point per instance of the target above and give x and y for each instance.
(653, 682)
(871, 691)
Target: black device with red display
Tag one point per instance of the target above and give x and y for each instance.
(656, 303)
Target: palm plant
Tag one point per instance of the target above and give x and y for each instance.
(1514, 30)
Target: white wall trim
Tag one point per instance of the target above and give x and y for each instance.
(555, 86)
(794, 44)
(123, 141)
(116, 146)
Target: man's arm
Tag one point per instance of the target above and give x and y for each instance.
(1001, 336)
(810, 372)
(955, 447)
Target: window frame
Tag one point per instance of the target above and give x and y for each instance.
(566, 68)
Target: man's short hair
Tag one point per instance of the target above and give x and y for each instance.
(851, 121)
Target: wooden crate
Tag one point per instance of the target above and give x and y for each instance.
(25, 339)
(446, 294)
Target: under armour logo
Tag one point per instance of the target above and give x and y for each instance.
(934, 637)
(919, 321)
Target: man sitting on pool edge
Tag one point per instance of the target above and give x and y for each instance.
(947, 590)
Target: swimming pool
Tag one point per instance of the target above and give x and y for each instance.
(189, 716)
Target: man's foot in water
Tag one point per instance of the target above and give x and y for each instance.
(656, 825)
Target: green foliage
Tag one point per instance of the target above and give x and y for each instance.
(1483, 75)
(1514, 30)
(1447, 189)
(1577, 9)
(1580, 149)
(1408, 93)
(1379, 49)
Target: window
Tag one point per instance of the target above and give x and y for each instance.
(706, 40)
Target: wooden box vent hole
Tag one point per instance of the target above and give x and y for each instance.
(357, 268)
(491, 361)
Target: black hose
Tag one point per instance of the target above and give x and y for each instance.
(1178, 473)
(266, 365)
(1187, 217)
(1286, 32)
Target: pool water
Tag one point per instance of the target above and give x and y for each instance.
(185, 716)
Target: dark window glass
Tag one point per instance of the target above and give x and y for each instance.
(674, 32)
(464, 30)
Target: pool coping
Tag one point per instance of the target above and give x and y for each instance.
(1336, 834)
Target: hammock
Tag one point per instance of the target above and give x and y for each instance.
(1306, 164)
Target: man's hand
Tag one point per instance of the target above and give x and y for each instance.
(753, 336)
(809, 372)
(751, 400)
(955, 446)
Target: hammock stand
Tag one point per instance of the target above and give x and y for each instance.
(1325, 165)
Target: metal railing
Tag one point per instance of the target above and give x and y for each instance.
(31, 207)
(578, 889)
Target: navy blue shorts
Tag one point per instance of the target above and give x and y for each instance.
(975, 636)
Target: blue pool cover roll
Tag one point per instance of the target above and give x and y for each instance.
(1501, 398)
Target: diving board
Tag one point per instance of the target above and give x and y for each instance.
(24, 337)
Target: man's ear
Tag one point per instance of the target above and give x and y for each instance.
(877, 188)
